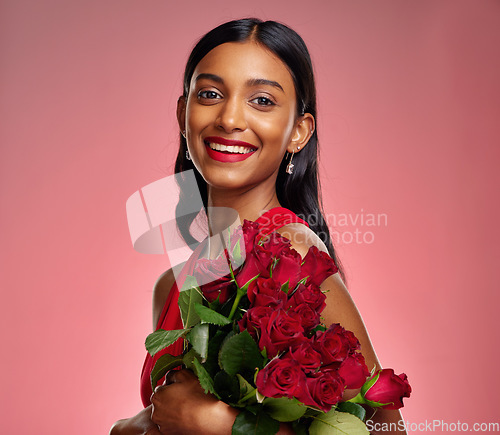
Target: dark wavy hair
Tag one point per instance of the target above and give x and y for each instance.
(299, 192)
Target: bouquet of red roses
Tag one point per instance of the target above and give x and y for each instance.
(255, 340)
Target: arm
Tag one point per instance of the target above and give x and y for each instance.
(340, 308)
(140, 424)
(182, 407)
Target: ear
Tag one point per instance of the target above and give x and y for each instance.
(181, 112)
(304, 129)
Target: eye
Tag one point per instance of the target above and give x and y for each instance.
(263, 101)
(208, 95)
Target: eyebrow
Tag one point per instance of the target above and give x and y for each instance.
(250, 82)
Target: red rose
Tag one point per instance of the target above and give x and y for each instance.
(306, 356)
(213, 278)
(386, 387)
(276, 244)
(306, 316)
(325, 388)
(287, 269)
(257, 263)
(254, 320)
(317, 266)
(281, 378)
(352, 341)
(250, 232)
(331, 344)
(310, 295)
(282, 331)
(353, 371)
(265, 292)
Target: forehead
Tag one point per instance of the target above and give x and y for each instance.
(240, 61)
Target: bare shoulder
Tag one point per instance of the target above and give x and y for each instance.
(161, 290)
(302, 238)
(340, 307)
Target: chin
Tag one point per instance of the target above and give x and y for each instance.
(225, 182)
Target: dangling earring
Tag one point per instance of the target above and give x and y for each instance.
(289, 167)
(188, 157)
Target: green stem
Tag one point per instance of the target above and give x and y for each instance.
(239, 295)
(357, 399)
(247, 396)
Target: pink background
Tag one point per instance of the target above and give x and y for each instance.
(409, 126)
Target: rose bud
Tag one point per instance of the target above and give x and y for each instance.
(287, 269)
(257, 263)
(386, 390)
(250, 231)
(353, 371)
(317, 266)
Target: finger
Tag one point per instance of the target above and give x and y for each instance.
(170, 377)
(184, 375)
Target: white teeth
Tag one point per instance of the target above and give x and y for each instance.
(230, 148)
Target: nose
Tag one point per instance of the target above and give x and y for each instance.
(231, 116)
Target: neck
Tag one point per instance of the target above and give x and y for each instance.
(249, 204)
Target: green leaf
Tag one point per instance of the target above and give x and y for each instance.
(300, 427)
(246, 389)
(321, 328)
(188, 359)
(189, 283)
(352, 408)
(206, 381)
(240, 352)
(237, 259)
(210, 316)
(214, 344)
(161, 339)
(227, 387)
(337, 423)
(187, 299)
(163, 365)
(369, 383)
(284, 409)
(198, 337)
(247, 423)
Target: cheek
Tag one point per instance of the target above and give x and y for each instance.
(274, 131)
(197, 119)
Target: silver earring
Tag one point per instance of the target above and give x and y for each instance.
(187, 155)
(289, 167)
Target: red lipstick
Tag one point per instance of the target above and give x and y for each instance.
(225, 156)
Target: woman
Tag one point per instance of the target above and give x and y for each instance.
(249, 98)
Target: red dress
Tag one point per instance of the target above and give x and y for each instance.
(170, 317)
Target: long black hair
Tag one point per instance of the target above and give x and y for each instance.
(299, 192)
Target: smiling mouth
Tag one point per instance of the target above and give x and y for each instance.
(230, 149)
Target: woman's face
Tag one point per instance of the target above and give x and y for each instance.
(240, 116)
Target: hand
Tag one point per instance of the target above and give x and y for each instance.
(180, 406)
(140, 424)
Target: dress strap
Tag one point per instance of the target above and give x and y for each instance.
(277, 217)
